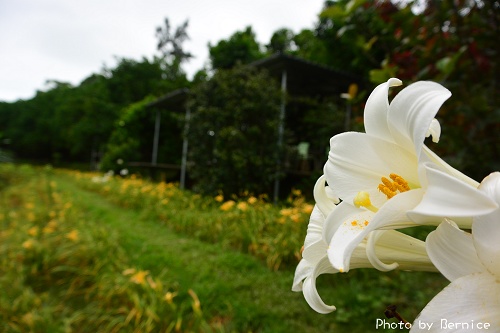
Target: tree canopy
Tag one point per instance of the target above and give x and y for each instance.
(233, 136)
(241, 48)
(451, 42)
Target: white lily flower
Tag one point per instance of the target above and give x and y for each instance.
(398, 249)
(472, 263)
(387, 171)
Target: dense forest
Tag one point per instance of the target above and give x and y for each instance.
(453, 42)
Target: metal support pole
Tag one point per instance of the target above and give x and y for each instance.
(185, 149)
(156, 138)
(281, 130)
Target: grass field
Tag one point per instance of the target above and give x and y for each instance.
(82, 252)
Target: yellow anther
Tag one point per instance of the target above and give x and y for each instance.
(387, 191)
(362, 199)
(390, 185)
(400, 182)
(390, 189)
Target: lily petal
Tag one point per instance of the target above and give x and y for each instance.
(372, 256)
(452, 251)
(486, 229)
(411, 113)
(321, 196)
(486, 235)
(471, 299)
(434, 130)
(309, 287)
(491, 186)
(357, 161)
(303, 270)
(377, 105)
(314, 245)
(447, 196)
(352, 229)
(408, 252)
(428, 155)
(342, 213)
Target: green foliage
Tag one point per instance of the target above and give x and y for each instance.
(309, 47)
(453, 43)
(281, 41)
(57, 274)
(124, 256)
(358, 34)
(128, 141)
(241, 48)
(67, 123)
(131, 81)
(233, 132)
(274, 234)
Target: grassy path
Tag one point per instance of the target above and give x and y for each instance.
(234, 288)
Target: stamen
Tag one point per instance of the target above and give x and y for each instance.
(362, 199)
(390, 189)
(388, 184)
(387, 191)
(400, 181)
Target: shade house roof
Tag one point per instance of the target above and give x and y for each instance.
(174, 101)
(307, 78)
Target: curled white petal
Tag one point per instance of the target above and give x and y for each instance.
(434, 130)
(309, 287)
(303, 270)
(352, 229)
(323, 196)
(411, 113)
(377, 106)
(452, 251)
(372, 255)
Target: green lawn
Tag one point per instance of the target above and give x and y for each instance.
(231, 285)
(237, 291)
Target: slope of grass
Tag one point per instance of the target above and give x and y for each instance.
(234, 288)
(103, 259)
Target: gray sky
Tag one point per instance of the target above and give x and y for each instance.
(67, 40)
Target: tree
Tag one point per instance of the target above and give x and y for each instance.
(170, 44)
(131, 80)
(131, 137)
(310, 47)
(281, 41)
(241, 48)
(233, 132)
(452, 42)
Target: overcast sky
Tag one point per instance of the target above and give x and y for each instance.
(67, 40)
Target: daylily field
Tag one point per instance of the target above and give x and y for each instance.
(86, 252)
